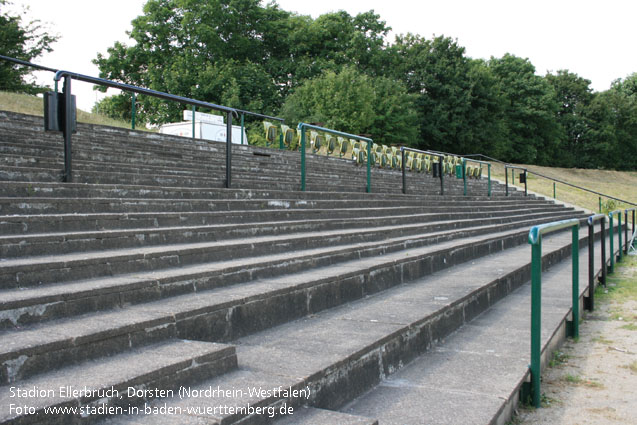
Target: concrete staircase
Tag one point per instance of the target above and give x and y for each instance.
(160, 297)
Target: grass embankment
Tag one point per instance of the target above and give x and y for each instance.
(34, 105)
(620, 184)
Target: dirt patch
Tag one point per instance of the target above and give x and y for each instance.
(593, 380)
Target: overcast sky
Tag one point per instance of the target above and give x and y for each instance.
(595, 39)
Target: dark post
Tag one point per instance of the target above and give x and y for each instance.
(132, 112)
(626, 231)
(441, 171)
(67, 130)
(402, 152)
(228, 149)
(506, 180)
(525, 183)
(604, 251)
(590, 301)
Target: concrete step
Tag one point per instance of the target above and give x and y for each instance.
(475, 375)
(313, 416)
(33, 271)
(64, 223)
(122, 382)
(32, 205)
(77, 190)
(363, 341)
(211, 312)
(69, 242)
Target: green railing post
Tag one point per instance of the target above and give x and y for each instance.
(535, 240)
(464, 175)
(619, 238)
(194, 108)
(281, 141)
(132, 113)
(612, 243)
(489, 174)
(302, 158)
(536, 321)
(575, 266)
(600, 204)
(554, 197)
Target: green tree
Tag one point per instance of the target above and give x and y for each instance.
(457, 101)
(356, 103)
(237, 52)
(574, 96)
(530, 111)
(24, 41)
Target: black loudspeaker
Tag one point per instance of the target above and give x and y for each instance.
(54, 110)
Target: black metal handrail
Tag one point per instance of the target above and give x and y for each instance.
(441, 157)
(68, 124)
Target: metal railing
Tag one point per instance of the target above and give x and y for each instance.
(302, 127)
(535, 239)
(508, 167)
(590, 300)
(464, 173)
(626, 239)
(254, 114)
(440, 171)
(618, 213)
(68, 124)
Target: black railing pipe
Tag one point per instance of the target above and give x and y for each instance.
(441, 173)
(68, 76)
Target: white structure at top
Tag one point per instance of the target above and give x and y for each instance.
(207, 126)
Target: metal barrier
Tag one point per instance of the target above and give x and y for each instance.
(464, 173)
(535, 239)
(302, 127)
(626, 239)
(68, 114)
(589, 302)
(508, 167)
(618, 213)
(441, 157)
(254, 114)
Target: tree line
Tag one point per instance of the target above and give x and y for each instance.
(340, 71)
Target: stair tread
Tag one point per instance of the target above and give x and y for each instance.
(119, 372)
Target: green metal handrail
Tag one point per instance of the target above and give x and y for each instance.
(618, 213)
(464, 173)
(303, 126)
(535, 239)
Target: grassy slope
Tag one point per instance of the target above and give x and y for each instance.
(619, 184)
(33, 105)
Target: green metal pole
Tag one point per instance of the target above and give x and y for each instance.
(281, 141)
(369, 167)
(303, 159)
(600, 204)
(193, 120)
(464, 176)
(536, 320)
(554, 197)
(575, 255)
(242, 126)
(133, 111)
(489, 174)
